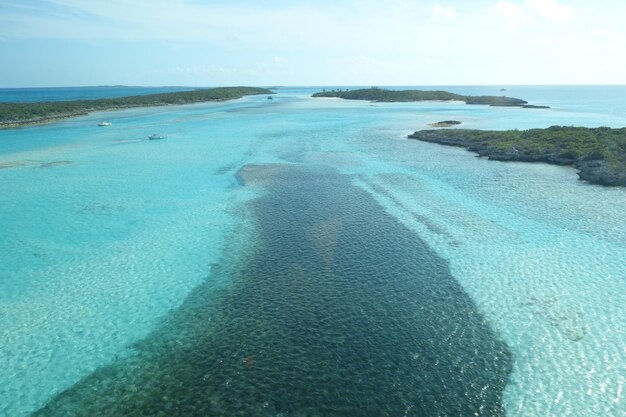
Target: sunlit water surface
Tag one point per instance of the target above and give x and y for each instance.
(300, 256)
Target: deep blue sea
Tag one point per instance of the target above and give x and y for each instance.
(302, 257)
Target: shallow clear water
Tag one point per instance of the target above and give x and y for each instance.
(358, 269)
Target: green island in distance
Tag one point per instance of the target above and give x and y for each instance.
(445, 123)
(384, 95)
(29, 113)
(599, 153)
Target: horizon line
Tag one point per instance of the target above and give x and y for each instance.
(315, 86)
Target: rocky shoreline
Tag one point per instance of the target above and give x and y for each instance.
(593, 168)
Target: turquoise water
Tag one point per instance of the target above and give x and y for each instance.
(301, 257)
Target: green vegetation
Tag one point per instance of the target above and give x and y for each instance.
(533, 106)
(598, 153)
(383, 95)
(495, 101)
(18, 114)
(445, 123)
(379, 94)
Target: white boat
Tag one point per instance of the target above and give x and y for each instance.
(105, 124)
(156, 136)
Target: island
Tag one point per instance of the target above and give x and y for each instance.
(445, 123)
(599, 153)
(29, 113)
(383, 95)
(534, 106)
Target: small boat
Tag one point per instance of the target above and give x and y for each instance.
(105, 124)
(269, 98)
(156, 136)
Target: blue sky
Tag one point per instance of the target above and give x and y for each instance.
(339, 42)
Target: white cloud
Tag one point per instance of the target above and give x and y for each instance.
(534, 11)
(508, 9)
(511, 12)
(443, 13)
(550, 9)
(340, 26)
(334, 42)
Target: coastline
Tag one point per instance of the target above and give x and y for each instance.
(598, 166)
(50, 112)
(43, 120)
(381, 95)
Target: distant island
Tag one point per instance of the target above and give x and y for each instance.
(384, 95)
(28, 113)
(445, 123)
(599, 154)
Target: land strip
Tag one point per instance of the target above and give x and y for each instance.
(383, 95)
(28, 113)
(599, 153)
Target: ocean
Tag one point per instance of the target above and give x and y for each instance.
(302, 257)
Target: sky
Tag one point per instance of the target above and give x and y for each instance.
(317, 43)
